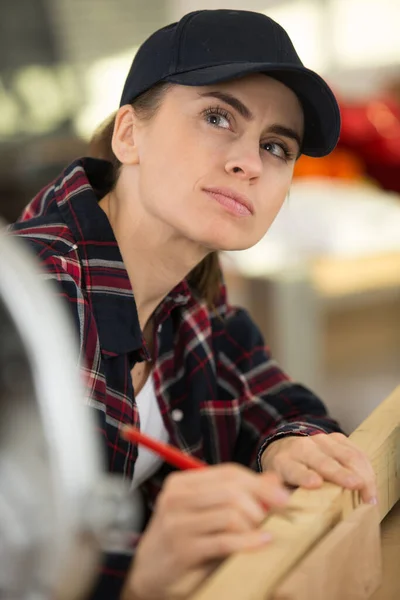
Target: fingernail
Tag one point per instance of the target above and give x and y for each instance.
(265, 537)
(373, 500)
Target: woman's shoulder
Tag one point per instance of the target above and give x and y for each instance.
(42, 224)
(49, 239)
(47, 235)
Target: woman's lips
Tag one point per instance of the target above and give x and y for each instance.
(233, 202)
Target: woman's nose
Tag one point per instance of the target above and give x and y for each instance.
(246, 163)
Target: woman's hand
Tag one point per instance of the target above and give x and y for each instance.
(201, 517)
(308, 461)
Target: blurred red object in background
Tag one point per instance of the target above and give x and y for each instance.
(372, 131)
(369, 144)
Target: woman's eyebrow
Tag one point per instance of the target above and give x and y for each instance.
(232, 101)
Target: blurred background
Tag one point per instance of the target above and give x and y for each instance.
(324, 283)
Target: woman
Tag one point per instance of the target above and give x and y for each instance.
(214, 113)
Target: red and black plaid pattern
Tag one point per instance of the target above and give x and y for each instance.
(211, 365)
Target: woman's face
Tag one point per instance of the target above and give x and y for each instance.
(215, 163)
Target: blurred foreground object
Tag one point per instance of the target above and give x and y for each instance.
(58, 509)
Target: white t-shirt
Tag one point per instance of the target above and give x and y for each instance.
(147, 462)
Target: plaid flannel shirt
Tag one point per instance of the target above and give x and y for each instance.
(211, 365)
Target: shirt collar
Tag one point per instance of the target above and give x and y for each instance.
(104, 277)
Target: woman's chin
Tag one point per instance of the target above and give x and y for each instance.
(219, 243)
(221, 236)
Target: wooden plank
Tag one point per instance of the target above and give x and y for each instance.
(254, 575)
(311, 514)
(250, 575)
(390, 589)
(350, 553)
(379, 437)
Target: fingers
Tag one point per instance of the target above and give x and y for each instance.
(298, 474)
(231, 519)
(354, 460)
(307, 461)
(201, 516)
(321, 461)
(273, 493)
(225, 544)
(224, 484)
(216, 511)
(225, 497)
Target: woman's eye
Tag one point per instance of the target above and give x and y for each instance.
(218, 120)
(276, 149)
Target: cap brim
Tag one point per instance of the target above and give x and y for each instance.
(321, 110)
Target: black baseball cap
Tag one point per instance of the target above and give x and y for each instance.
(211, 46)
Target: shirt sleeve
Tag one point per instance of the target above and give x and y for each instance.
(271, 404)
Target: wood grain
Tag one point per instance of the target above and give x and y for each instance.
(350, 553)
(390, 589)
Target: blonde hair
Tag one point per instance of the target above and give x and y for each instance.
(206, 277)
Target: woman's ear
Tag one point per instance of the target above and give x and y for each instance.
(123, 139)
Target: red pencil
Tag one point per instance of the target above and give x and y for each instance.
(170, 454)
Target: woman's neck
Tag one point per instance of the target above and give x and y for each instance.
(156, 260)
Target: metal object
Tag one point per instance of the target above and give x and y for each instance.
(58, 508)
